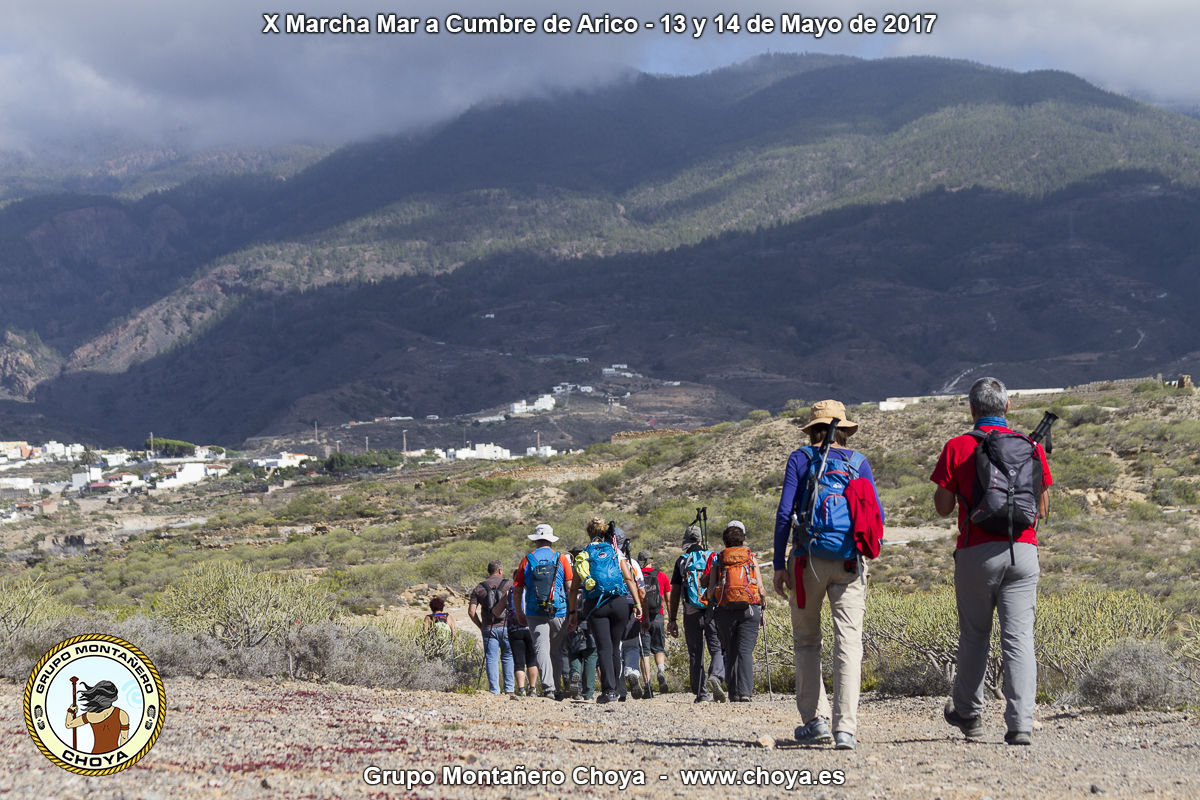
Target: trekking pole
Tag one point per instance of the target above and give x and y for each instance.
(766, 652)
(702, 515)
(648, 693)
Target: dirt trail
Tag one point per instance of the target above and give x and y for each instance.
(241, 739)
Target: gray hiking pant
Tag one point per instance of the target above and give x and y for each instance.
(549, 638)
(739, 633)
(985, 579)
(698, 635)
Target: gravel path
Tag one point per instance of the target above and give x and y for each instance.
(239, 739)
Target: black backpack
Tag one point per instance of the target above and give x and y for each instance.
(1008, 484)
(653, 591)
(494, 597)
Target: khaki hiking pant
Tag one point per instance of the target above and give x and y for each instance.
(847, 593)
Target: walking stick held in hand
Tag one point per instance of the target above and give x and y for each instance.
(762, 620)
(75, 705)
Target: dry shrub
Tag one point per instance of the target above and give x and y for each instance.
(1132, 675)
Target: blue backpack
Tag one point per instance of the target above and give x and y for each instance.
(543, 575)
(605, 570)
(831, 535)
(693, 570)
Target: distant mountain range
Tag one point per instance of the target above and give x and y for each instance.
(790, 227)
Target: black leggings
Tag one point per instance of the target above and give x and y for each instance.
(608, 625)
(522, 648)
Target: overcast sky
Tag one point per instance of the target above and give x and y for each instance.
(203, 74)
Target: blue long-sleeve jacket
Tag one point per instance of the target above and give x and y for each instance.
(794, 478)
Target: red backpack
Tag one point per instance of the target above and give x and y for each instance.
(736, 584)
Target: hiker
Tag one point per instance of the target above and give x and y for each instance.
(438, 620)
(634, 673)
(520, 640)
(654, 634)
(581, 653)
(995, 565)
(825, 562)
(608, 587)
(699, 631)
(110, 724)
(541, 588)
(487, 610)
(734, 590)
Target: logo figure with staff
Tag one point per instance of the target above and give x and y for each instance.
(94, 705)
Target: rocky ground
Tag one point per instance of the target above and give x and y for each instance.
(239, 739)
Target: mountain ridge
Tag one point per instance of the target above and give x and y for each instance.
(544, 190)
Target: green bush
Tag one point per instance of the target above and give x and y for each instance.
(1076, 470)
(242, 608)
(1075, 628)
(25, 603)
(1144, 512)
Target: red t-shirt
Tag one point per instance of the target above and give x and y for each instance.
(955, 472)
(664, 587)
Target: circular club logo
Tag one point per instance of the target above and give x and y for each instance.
(94, 704)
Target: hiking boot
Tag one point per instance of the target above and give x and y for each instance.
(575, 686)
(633, 684)
(701, 698)
(604, 697)
(741, 699)
(559, 696)
(844, 741)
(662, 683)
(1018, 737)
(718, 692)
(972, 727)
(815, 731)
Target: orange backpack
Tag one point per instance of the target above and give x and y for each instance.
(737, 586)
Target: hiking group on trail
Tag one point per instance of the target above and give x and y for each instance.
(566, 616)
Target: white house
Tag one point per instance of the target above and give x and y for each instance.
(80, 480)
(191, 472)
(14, 450)
(115, 459)
(544, 402)
(544, 451)
(126, 480)
(17, 484)
(280, 461)
(485, 452)
(519, 407)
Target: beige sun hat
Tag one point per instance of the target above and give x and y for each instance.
(826, 411)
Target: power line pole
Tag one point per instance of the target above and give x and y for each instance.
(404, 434)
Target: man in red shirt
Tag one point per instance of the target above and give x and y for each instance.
(991, 575)
(654, 634)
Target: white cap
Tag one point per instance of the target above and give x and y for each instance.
(543, 532)
(736, 524)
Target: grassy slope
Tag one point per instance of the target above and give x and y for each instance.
(1122, 460)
